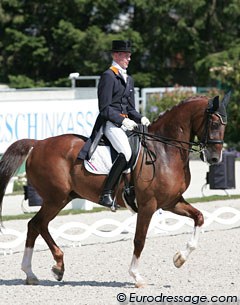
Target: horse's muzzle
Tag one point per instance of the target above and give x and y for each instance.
(214, 160)
(211, 158)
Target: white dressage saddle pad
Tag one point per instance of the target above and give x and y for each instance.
(100, 162)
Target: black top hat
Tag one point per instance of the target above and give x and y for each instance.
(121, 46)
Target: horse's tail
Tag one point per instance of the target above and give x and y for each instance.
(11, 161)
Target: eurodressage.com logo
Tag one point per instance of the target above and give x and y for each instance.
(134, 299)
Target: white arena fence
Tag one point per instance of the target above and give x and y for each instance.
(163, 223)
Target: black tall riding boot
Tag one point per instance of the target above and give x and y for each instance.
(112, 180)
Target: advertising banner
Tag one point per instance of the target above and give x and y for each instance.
(40, 119)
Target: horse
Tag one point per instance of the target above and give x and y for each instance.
(53, 169)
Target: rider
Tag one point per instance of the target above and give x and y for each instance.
(117, 114)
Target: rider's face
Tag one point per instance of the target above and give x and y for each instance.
(123, 59)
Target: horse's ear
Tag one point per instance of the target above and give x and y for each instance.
(226, 98)
(222, 111)
(214, 104)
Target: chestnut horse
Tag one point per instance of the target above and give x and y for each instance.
(58, 176)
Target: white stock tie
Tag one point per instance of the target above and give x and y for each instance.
(124, 74)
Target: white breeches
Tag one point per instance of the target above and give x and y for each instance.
(118, 138)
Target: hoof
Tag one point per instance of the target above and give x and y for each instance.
(179, 259)
(57, 273)
(32, 281)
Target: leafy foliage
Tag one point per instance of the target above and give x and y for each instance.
(175, 42)
(158, 103)
(46, 41)
(224, 70)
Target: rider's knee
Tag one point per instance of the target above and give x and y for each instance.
(127, 154)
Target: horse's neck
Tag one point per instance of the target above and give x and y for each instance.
(173, 125)
(181, 122)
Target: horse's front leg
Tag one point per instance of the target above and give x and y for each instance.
(143, 220)
(182, 255)
(185, 209)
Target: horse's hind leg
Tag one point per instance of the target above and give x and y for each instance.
(185, 209)
(39, 225)
(32, 234)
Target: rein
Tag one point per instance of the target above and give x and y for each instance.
(151, 157)
(169, 141)
(178, 143)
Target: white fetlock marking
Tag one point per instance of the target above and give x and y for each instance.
(191, 246)
(181, 256)
(27, 263)
(133, 271)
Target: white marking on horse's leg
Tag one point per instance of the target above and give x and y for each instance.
(181, 256)
(133, 271)
(27, 267)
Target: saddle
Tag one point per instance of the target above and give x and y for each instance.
(101, 156)
(101, 148)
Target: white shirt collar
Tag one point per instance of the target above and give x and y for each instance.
(123, 71)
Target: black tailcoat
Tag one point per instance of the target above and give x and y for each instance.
(115, 98)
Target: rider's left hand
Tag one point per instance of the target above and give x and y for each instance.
(145, 121)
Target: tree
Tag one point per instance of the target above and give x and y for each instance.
(45, 41)
(224, 69)
(175, 42)
(177, 34)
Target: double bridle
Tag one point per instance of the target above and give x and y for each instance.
(201, 145)
(206, 140)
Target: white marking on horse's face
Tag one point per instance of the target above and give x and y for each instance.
(211, 156)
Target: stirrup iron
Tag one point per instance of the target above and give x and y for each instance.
(108, 202)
